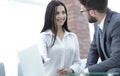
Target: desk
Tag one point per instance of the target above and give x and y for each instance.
(92, 74)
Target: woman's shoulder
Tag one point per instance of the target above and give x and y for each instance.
(72, 34)
(47, 32)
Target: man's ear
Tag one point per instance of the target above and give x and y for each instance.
(92, 12)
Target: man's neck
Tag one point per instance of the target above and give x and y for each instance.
(100, 17)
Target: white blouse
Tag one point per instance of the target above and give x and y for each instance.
(63, 54)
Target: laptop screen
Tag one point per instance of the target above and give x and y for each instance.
(31, 62)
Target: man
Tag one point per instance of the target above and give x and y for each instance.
(106, 42)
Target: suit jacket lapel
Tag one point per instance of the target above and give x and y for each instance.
(106, 23)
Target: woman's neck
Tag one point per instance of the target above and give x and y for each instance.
(60, 30)
(60, 33)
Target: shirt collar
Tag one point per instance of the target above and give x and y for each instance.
(49, 32)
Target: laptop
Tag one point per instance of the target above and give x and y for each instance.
(31, 62)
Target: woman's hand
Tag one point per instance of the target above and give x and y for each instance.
(64, 71)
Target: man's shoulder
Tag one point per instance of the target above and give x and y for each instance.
(116, 16)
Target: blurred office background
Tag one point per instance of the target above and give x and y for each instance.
(22, 20)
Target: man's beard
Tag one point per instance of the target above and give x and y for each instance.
(92, 19)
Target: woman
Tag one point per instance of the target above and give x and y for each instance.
(59, 47)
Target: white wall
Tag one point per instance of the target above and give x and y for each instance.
(20, 24)
(114, 5)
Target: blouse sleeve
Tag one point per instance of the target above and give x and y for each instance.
(43, 47)
(77, 63)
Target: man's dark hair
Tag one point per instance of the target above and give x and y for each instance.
(99, 5)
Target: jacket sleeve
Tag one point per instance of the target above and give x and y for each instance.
(114, 59)
(93, 53)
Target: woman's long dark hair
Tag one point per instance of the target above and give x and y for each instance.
(49, 22)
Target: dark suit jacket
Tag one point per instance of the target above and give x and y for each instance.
(110, 55)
